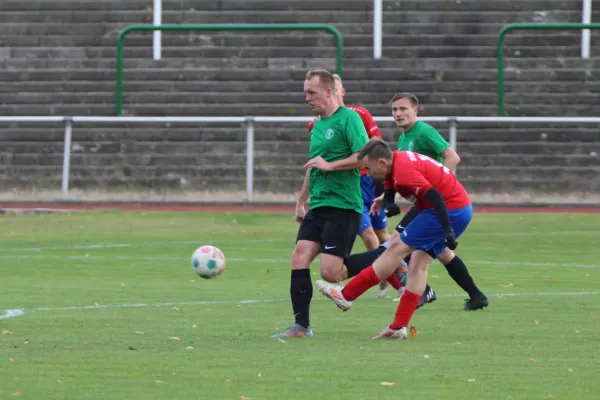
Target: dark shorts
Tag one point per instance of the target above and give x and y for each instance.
(334, 228)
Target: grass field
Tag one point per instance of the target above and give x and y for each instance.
(111, 309)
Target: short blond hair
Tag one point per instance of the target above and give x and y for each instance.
(326, 78)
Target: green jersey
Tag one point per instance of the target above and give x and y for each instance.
(335, 138)
(424, 139)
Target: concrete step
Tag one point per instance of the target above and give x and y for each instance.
(282, 132)
(130, 146)
(14, 28)
(354, 88)
(327, 15)
(284, 39)
(201, 99)
(270, 109)
(283, 74)
(290, 6)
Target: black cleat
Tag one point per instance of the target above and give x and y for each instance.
(427, 297)
(478, 303)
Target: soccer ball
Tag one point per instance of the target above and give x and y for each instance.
(208, 262)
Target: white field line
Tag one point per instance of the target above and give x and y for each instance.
(18, 312)
(250, 241)
(262, 260)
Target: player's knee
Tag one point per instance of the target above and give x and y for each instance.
(446, 256)
(332, 270)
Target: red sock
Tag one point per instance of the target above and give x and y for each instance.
(362, 282)
(408, 304)
(394, 281)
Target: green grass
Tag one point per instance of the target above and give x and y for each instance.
(539, 262)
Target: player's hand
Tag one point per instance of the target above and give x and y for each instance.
(392, 210)
(300, 212)
(451, 242)
(376, 206)
(318, 163)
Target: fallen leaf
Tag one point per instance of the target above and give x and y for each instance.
(596, 317)
(276, 327)
(11, 359)
(207, 310)
(554, 278)
(387, 383)
(6, 332)
(131, 265)
(570, 370)
(425, 356)
(174, 338)
(537, 322)
(576, 331)
(194, 326)
(175, 308)
(281, 341)
(26, 341)
(174, 373)
(361, 348)
(413, 332)
(189, 348)
(532, 360)
(509, 285)
(136, 374)
(68, 351)
(138, 333)
(259, 375)
(17, 394)
(88, 342)
(122, 284)
(59, 382)
(97, 305)
(159, 382)
(299, 379)
(457, 342)
(471, 380)
(227, 380)
(245, 398)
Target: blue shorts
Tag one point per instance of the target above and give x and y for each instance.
(377, 222)
(425, 232)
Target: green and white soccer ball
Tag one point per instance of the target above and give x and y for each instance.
(208, 262)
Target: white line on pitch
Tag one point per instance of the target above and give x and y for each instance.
(250, 241)
(19, 312)
(264, 260)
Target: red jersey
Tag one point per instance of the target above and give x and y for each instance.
(414, 174)
(368, 121)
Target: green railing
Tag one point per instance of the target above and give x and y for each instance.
(512, 27)
(339, 43)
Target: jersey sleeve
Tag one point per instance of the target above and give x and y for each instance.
(434, 141)
(370, 125)
(408, 176)
(355, 132)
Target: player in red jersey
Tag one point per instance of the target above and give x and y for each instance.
(373, 228)
(445, 212)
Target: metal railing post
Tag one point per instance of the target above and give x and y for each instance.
(66, 158)
(249, 158)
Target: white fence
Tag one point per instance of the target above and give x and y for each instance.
(252, 121)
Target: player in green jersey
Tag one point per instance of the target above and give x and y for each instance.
(332, 182)
(422, 138)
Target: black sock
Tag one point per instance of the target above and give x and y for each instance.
(301, 292)
(458, 271)
(357, 262)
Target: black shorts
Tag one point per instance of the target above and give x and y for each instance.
(334, 228)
